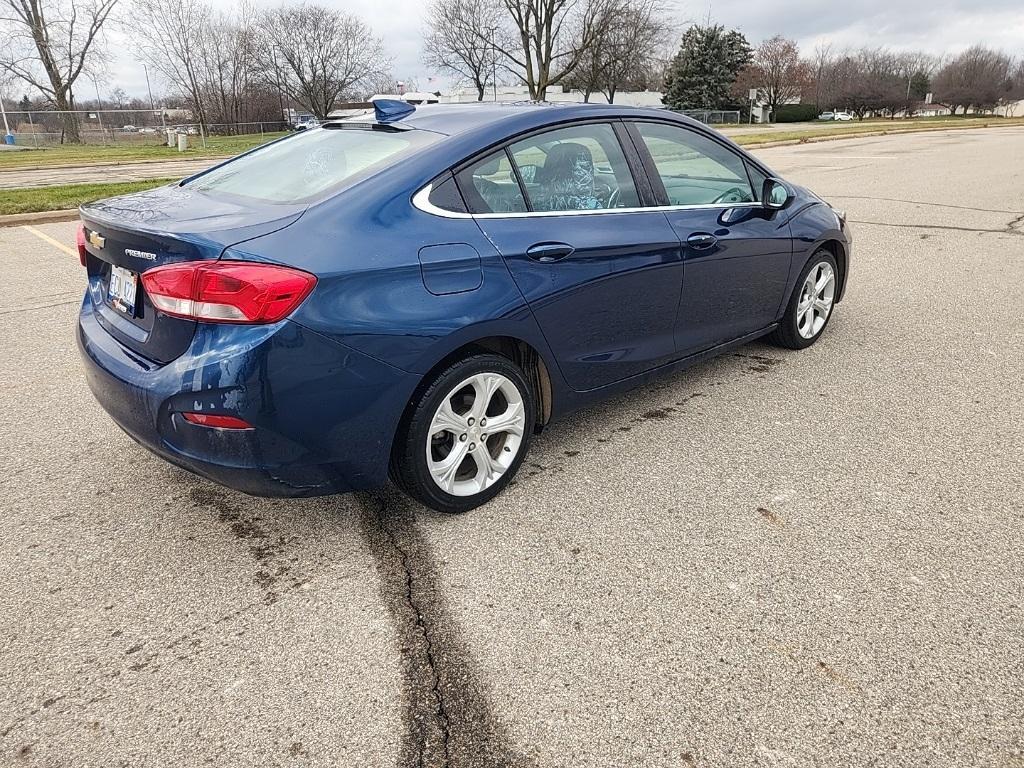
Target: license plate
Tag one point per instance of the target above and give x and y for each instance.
(121, 291)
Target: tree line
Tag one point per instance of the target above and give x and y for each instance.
(250, 63)
(716, 68)
(235, 66)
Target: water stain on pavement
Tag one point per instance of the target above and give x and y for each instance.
(770, 516)
(266, 548)
(761, 363)
(448, 720)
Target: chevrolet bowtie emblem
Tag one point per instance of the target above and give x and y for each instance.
(97, 239)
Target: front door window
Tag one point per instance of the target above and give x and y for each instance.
(581, 168)
(694, 169)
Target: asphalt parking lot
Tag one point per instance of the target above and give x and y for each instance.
(773, 559)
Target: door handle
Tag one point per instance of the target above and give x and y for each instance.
(548, 252)
(701, 240)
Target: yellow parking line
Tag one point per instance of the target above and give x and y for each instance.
(50, 240)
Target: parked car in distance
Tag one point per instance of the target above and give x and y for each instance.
(827, 116)
(304, 122)
(129, 129)
(843, 116)
(416, 292)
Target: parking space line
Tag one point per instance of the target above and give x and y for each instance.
(50, 240)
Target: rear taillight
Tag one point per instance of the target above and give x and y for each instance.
(227, 291)
(216, 420)
(80, 240)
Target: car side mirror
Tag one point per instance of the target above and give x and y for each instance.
(775, 194)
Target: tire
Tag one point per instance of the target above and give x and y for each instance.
(425, 459)
(794, 332)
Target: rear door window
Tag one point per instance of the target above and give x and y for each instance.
(490, 185)
(694, 169)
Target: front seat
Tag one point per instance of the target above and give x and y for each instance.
(499, 198)
(566, 181)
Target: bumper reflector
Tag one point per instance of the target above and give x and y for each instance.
(216, 420)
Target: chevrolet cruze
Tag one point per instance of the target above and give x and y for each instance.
(419, 291)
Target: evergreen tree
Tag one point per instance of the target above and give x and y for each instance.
(705, 68)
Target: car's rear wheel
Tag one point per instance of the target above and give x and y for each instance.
(810, 306)
(466, 435)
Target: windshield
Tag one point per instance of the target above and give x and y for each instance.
(303, 167)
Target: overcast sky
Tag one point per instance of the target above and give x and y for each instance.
(936, 26)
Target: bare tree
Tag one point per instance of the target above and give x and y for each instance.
(1016, 90)
(778, 73)
(915, 70)
(227, 72)
(627, 49)
(462, 39)
(551, 37)
(48, 44)
(172, 42)
(383, 82)
(979, 77)
(318, 54)
(821, 67)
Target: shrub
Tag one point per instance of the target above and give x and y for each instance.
(796, 113)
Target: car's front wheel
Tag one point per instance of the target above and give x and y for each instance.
(466, 434)
(810, 306)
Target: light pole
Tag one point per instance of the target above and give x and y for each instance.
(493, 32)
(277, 76)
(99, 117)
(152, 104)
(7, 128)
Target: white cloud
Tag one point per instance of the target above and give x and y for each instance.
(937, 26)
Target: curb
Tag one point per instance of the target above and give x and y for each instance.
(866, 134)
(39, 217)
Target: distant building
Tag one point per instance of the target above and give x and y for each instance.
(928, 109)
(1011, 109)
(411, 97)
(349, 109)
(556, 95)
(762, 112)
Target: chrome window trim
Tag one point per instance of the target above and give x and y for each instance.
(421, 200)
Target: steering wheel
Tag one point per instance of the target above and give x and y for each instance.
(734, 195)
(613, 198)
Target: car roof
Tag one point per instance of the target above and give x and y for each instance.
(453, 119)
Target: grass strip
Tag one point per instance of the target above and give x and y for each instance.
(35, 199)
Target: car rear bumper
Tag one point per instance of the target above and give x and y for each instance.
(323, 415)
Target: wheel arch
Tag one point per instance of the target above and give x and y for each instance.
(518, 351)
(839, 253)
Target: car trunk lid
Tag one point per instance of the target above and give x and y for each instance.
(125, 236)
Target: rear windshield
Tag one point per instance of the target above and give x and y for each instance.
(305, 166)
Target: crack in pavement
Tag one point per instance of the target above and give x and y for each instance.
(920, 202)
(448, 721)
(758, 364)
(1009, 229)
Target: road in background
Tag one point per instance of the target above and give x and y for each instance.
(775, 558)
(103, 173)
(174, 167)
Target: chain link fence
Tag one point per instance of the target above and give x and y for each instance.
(712, 116)
(44, 128)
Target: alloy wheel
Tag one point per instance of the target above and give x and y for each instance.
(816, 299)
(475, 434)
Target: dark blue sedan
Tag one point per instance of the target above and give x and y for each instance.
(421, 291)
